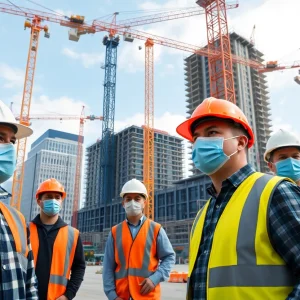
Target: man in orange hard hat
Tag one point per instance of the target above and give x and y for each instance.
(57, 247)
(134, 248)
(18, 280)
(245, 241)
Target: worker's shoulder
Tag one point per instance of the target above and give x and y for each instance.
(286, 185)
(282, 182)
(119, 224)
(13, 210)
(156, 224)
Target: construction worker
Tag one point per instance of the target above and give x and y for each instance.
(283, 154)
(134, 248)
(57, 247)
(245, 241)
(17, 274)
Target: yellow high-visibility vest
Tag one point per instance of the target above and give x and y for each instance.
(243, 264)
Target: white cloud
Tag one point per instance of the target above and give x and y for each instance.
(276, 24)
(13, 77)
(87, 59)
(281, 79)
(166, 122)
(62, 12)
(279, 123)
(62, 106)
(275, 38)
(44, 106)
(132, 56)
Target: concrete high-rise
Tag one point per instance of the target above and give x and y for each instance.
(52, 155)
(251, 94)
(128, 164)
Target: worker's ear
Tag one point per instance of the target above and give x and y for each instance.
(272, 167)
(39, 202)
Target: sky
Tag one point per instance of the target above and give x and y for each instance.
(69, 75)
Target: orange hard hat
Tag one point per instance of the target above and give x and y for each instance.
(218, 108)
(51, 185)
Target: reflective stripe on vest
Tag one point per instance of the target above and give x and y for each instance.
(143, 272)
(17, 225)
(62, 257)
(242, 260)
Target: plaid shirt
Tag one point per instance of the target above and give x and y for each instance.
(284, 226)
(18, 281)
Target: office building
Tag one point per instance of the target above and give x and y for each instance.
(251, 94)
(52, 155)
(95, 216)
(175, 209)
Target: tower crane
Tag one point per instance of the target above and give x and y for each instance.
(82, 118)
(77, 28)
(252, 37)
(107, 140)
(218, 39)
(220, 60)
(150, 40)
(274, 66)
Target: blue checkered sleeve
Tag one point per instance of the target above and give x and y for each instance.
(18, 280)
(284, 228)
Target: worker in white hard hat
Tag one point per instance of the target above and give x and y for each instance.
(18, 280)
(283, 154)
(138, 254)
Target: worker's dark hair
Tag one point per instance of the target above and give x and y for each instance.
(273, 152)
(11, 126)
(139, 194)
(41, 194)
(236, 126)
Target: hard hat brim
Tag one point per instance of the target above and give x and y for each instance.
(23, 131)
(268, 152)
(133, 192)
(63, 194)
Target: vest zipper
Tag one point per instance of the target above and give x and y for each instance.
(133, 239)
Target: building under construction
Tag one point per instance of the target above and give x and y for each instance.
(128, 158)
(176, 206)
(251, 94)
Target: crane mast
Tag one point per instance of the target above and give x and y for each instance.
(35, 27)
(107, 141)
(77, 185)
(149, 165)
(218, 39)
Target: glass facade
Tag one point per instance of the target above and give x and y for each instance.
(53, 155)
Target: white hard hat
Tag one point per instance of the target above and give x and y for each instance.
(134, 186)
(281, 138)
(7, 117)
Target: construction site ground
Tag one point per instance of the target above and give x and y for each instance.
(92, 286)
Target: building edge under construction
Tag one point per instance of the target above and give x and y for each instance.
(251, 94)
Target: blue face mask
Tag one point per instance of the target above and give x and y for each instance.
(289, 167)
(51, 207)
(208, 155)
(7, 161)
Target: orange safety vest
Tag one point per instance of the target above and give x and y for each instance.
(17, 225)
(136, 259)
(62, 258)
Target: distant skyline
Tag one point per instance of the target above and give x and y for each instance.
(69, 74)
